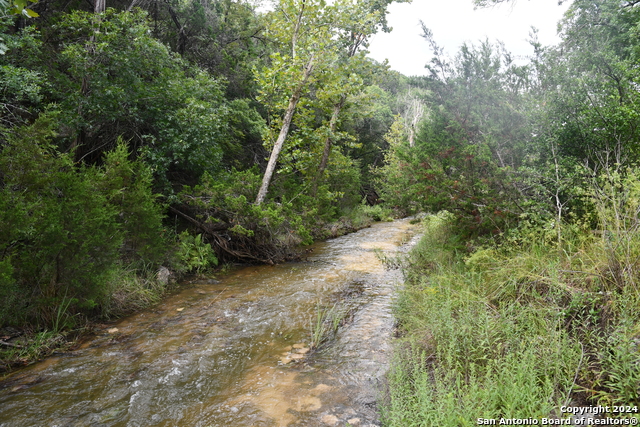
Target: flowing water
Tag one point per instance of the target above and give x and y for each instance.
(233, 352)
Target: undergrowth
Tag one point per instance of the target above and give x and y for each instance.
(512, 330)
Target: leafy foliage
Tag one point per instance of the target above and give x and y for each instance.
(121, 81)
(239, 229)
(194, 254)
(466, 152)
(224, 37)
(64, 228)
(590, 80)
(17, 7)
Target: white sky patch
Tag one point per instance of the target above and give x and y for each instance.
(454, 22)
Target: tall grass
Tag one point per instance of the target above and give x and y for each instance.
(514, 330)
(132, 290)
(326, 323)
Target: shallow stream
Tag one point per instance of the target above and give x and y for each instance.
(233, 351)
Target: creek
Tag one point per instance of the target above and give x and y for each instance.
(233, 351)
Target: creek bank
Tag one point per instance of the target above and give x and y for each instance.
(23, 346)
(210, 354)
(515, 330)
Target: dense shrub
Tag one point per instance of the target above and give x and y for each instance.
(64, 227)
(238, 229)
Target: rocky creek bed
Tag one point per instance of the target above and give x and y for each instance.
(238, 351)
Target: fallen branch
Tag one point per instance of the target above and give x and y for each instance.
(240, 248)
(10, 344)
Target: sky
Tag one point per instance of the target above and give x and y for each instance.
(455, 21)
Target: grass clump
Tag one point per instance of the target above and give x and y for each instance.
(131, 291)
(510, 330)
(32, 346)
(330, 316)
(326, 323)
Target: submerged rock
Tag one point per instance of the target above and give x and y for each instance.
(285, 360)
(294, 352)
(330, 420)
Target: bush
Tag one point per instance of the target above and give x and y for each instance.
(479, 340)
(238, 229)
(127, 185)
(63, 228)
(194, 254)
(377, 212)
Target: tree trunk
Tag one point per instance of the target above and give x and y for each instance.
(182, 36)
(286, 123)
(99, 6)
(328, 142)
(416, 109)
(296, 30)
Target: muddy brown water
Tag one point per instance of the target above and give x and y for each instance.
(221, 352)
